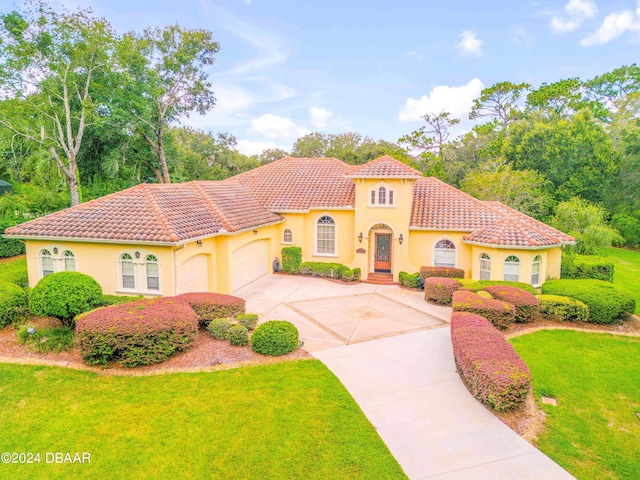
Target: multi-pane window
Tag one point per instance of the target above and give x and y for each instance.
(373, 197)
(47, 262)
(382, 196)
(69, 261)
(535, 270)
(153, 276)
(127, 269)
(444, 254)
(512, 268)
(391, 192)
(287, 236)
(485, 266)
(326, 236)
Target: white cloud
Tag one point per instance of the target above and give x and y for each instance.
(614, 25)
(272, 49)
(251, 147)
(320, 116)
(455, 100)
(275, 127)
(470, 43)
(414, 54)
(578, 11)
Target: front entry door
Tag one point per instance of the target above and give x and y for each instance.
(382, 262)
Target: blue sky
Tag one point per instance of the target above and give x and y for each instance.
(286, 68)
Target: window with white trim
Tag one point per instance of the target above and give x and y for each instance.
(382, 197)
(485, 266)
(512, 268)
(326, 236)
(127, 271)
(287, 236)
(535, 270)
(69, 261)
(46, 262)
(444, 254)
(153, 273)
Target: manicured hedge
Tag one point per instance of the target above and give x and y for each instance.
(325, 270)
(500, 314)
(275, 337)
(559, 308)
(448, 272)
(108, 300)
(65, 295)
(357, 273)
(527, 305)
(476, 285)
(138, 333)
(10, 247)
(218, 328)
(238, 335)
(409, 280)
(291, 259)
(583, 267)
(440, 289)
(213, 305)
(15, 271)
(489, 366)
(13, 303)
(608, 303)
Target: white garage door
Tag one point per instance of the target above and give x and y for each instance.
(194, 275)
(249, 262)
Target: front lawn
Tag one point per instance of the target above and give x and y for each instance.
(594, 431)
(627, 270)
(284, 420)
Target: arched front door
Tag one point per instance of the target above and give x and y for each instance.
(382, 254)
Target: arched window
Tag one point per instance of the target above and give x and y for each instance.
(382, 196)
(153, 274)
(512, 268)
(127, 272)
(485, 266)
(69, 261)
(444, 254)
(326, 236)
(46, 262)
(287, 236)
(535, 270)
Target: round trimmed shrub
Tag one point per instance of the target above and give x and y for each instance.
(247, 320)
(527, 305)
(608, 303)
(218, 328)
(238, 335)
(65, 295)
(275, 337)
(559, 308)
(13, 302)
(440, 289)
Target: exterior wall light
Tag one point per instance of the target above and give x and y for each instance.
(360, 237)
(199, 243)
(255, 232)
(400, 239)
(137, 254)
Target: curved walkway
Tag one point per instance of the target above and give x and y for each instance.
(405, 382)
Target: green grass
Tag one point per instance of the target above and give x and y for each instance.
(284, 420)
(627, 270)
(593, 432)
(15, 271)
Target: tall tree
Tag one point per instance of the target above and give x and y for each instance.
(608, 89)
(311, 145)
(432, 136)
(49, 65)
(499, 101)
(271, 155)
(167, 81)
(562, 98)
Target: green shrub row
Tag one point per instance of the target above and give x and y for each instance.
(476, 285)
(442, 272)
(607, 303)
(291, 259)
(108, 300)
(409, 280)
(585, 267)
(563, 309)
(330, 270)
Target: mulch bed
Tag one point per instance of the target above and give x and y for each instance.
(206, 354)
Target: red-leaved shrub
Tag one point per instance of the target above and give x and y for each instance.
(500, 314)
(213, 305)
(136, 333)
(527, 305)
(440, 289)
(448, 272)
(489, 366)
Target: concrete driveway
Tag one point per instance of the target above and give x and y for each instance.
(393, 352)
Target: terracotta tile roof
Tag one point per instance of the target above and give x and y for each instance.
(512, 232)
(384, 166)
(299, 184)
(437, 205)
(154, 213)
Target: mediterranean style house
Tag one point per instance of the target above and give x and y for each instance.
(217, 236)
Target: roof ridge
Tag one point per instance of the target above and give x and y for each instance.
(171, 234)
(212, 206)
(458, 191)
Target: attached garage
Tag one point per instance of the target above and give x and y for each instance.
(249, 263)
(194, 275)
